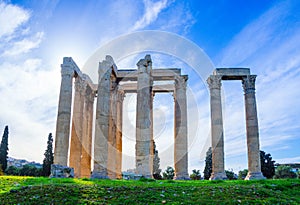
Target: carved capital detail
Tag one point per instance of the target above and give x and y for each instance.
(249, 84)
(67, 70)
(180, 82)
(80, 85)
(214, 82)
(89, 95)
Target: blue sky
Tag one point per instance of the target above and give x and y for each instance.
(263, 35)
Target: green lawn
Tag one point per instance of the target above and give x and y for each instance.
(30, 190)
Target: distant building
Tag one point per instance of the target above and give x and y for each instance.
(295, 166)
(19, 163)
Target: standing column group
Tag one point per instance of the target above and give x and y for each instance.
(217, 138)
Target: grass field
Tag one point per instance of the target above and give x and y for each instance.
(30, 190)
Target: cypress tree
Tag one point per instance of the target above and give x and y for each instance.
(208, 164)
(4, 149)
(48, 160)
(156, 163)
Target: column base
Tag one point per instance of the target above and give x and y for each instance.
(255, 175)
(99, 175)
(60, 171)
(183, 176)
(218, 176)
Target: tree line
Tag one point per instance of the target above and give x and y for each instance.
(26, 170)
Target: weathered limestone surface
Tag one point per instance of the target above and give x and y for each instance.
(112, 150)
(64, 115)
(254, 166)
(60, 171)
(77, 127)
(87, 133)
(180, 129)
(218, 172)
(143, 118)
(120, 98)
(102, 120)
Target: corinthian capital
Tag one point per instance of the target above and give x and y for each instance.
(67, 70)
(180, 82)
(214, 81)
(249, 84)
(80, 85)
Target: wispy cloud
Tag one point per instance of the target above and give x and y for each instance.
(152, 10)
(25, 45)
(11, 17)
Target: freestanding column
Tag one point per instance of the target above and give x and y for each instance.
(143, 118)
(87, 133)
(120, 98)
(180, 129)
(77, 127)
(102, 120)
(112, 150)
(254, 166)
(64, 115)
(217, 139)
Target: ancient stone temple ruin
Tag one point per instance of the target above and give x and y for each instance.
(75, 123)
(113, 84)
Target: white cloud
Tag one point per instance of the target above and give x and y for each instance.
(152, 10)
(25, 45)
(11, 17)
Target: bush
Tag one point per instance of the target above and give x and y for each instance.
(242, 174)
(284, 172)
(230, 175)
(12, 170)
(195, 175)
(169, 173)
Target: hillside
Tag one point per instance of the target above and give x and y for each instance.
(29, 190)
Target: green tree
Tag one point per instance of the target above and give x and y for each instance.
(29, 170)
(230, 175)
(48, 160)
(156, 163)
(243, 174)
(267, 165)
(169, 173)
(4, 149)
(195, 175)
(284, 172)
(12, 170)
(208, 164)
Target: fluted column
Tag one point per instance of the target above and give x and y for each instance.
(217, 138)
(143, 118)
(77, 127)
(87, 133)
(112, 150)
(254, 166)
(102, 121)
(120, 98)
(64, 115)
(180, 129)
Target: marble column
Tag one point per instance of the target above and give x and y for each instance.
(143, 118)
(87, 133)
(102, 120)
(217, 138)
(120, 98)
(77, 127)
(64, 115)
(151, 129)
(112, 150)
(180, 129)
(254, 166)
